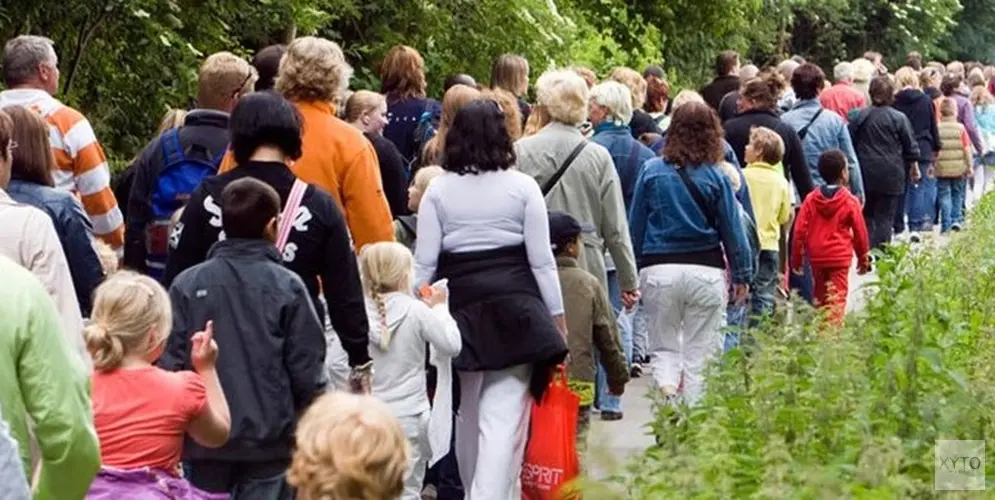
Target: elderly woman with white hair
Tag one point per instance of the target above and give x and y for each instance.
(579, 177)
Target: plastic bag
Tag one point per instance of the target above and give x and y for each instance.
(551, 460)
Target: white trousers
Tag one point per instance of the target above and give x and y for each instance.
(491, 429)
(685, 307)
(416, 430)
(336, 362)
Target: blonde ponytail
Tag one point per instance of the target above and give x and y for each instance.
(127, 308)
(386, 267)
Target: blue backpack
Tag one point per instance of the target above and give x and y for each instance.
(174, 185)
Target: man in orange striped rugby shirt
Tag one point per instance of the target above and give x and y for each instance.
(31, 73)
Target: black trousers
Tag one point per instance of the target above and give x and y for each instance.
(242, 480)
(879, 215)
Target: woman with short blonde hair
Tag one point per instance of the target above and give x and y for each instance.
(313, 69)
(564, 95)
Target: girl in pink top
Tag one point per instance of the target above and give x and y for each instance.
(142, 413)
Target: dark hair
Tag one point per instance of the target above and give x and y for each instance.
(882, 91)
(560, 244)
(764, 90)
(6, 133)
(654, 70)
(459, 79)
(657, 94)
(950, 84)
(247, 207)
(725, 62)
(807, 81)
(267, 64)
(832, 164)
(694, 137)
(264, 119)
(914, 61)
(478, 140)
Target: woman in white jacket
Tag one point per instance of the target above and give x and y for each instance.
(400, 328)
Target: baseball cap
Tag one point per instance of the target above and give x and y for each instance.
(564, 228)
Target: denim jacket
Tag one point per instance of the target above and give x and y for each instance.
(628, 154)
(75, 234)
(665, 219)
(828, 131)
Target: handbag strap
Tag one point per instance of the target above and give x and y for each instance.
(551, 183)
(698, 197)
(804, 131)
(289, 210)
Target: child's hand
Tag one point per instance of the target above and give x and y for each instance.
(204, 354)
(433, 296)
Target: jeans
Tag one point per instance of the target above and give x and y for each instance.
(243, 480)
(801, 284)
(921, 202)
(951, 194)
(898, 225)
(736, 323)
(607, 402)
(764, 286)
(686, 310)
(879, 215)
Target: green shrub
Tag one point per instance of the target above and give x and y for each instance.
(819, 412)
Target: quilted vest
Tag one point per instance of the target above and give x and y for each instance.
(950, 162)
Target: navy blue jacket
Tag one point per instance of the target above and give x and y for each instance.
(403, 117)
(75, 234)
(628, 154)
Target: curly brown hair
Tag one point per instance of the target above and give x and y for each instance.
(694, 136)
(402, 74)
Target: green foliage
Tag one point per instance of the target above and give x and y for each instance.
(820, 412)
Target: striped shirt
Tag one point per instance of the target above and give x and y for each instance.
(82, 166)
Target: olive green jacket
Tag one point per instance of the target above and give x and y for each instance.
(591, 328)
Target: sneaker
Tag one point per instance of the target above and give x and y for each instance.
(915, 238)
(955, 228)
(636, 371)
(611, 416)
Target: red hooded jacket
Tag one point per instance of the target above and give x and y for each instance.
(829, 228)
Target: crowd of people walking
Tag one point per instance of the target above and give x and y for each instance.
(328, 294)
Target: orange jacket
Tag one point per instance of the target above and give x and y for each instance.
(340, 160)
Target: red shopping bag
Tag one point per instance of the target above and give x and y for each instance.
(551, 460)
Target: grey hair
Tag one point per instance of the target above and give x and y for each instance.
(617, 98)
(787, 68)
(22, 55)
(748, 72)
(843, 72)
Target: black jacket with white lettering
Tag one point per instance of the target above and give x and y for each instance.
(271, 345)
(318, 247)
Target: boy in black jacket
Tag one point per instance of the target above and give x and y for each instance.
(275, 345)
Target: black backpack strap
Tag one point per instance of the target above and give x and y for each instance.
(551, 183)
(804, 131)
(698, 197)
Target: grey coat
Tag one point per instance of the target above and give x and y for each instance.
(590, 190)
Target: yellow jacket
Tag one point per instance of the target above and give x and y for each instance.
(771, 197)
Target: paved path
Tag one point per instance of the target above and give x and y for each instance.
(630, 436)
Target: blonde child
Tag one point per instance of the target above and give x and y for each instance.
(141, 412)
(406, 226)
(954, 165)
(400, 328)
(349, 447)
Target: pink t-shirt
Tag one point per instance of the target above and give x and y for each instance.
(142, 414)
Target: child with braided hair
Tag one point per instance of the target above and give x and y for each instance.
(400, 327)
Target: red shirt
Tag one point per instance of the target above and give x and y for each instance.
(142, 414)
(842, 99)
(829, 228)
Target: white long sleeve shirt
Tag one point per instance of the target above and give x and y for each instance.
(486, 211)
